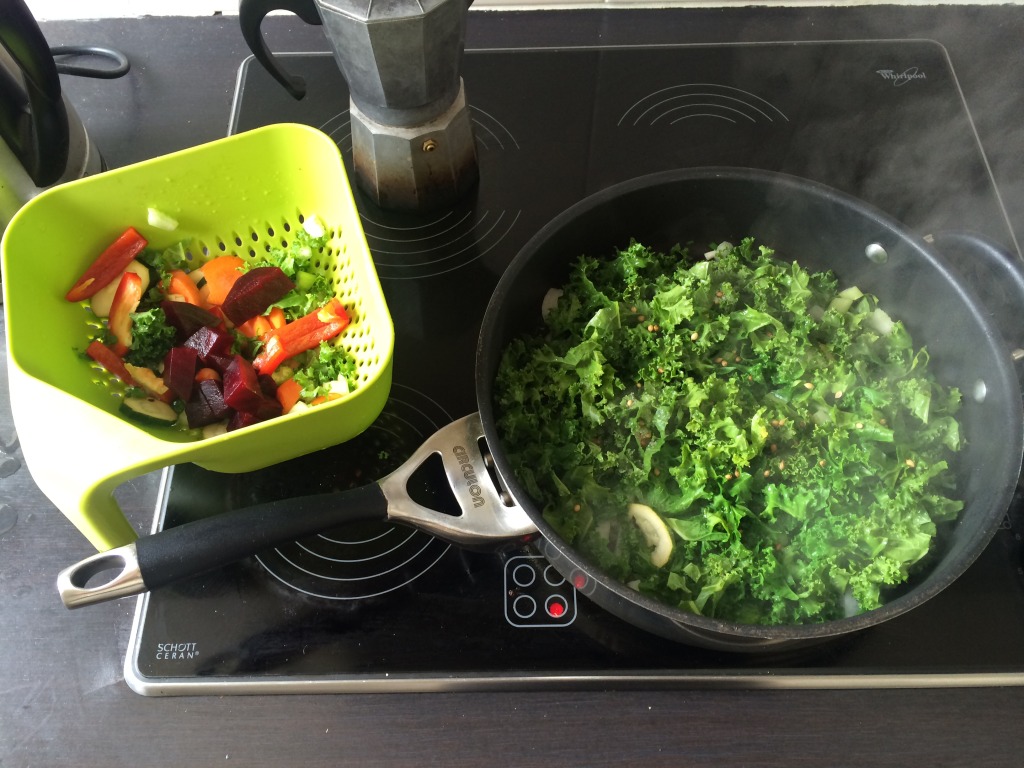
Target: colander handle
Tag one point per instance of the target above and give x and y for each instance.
(250, 16)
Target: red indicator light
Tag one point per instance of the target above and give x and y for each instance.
(556, 608)
(579, 581)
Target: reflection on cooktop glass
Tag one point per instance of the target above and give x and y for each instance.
(383, 607)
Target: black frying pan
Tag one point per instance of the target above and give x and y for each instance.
(823, 229)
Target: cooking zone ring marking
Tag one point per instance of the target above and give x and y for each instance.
(356, 563)
(656, 105)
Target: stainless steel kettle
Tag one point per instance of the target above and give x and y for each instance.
(43, 140)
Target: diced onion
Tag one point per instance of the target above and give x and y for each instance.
(160, 220)
(840, 304)
(880, 321)
(723, 248)
(314, 226)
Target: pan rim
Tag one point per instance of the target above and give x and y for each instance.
(760, 636)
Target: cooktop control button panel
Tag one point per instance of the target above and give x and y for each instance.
(536, 595)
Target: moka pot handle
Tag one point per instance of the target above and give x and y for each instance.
(250, 16)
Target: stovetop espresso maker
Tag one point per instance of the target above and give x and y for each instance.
(412, 141)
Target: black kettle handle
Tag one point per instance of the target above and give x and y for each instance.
(250, 16)
(42, 143)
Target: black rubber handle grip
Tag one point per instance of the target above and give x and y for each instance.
(203, 545)
(250, 16)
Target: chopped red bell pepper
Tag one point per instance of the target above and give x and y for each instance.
(126, 300)
(108, 266)
(301, 334)
(106, 357)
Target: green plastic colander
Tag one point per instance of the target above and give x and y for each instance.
(243, 195)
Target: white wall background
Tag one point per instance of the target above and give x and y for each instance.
(98, 9)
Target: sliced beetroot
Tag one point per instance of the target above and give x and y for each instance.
(207, 405)
(267, 409)
(180, 371)
(187, 318)
(239, 419)
(219, 363)
(267, 384)
(210, 342)
(254, 292)
(241, 386)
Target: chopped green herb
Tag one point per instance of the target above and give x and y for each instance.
(324, 367)
(152, 338)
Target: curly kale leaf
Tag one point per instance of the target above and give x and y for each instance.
(152, 338)
(796, 448)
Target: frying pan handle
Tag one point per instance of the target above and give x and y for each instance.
(203, 545)
(488, 516)
(995, 274)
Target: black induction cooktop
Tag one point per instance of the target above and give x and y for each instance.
(381, 607)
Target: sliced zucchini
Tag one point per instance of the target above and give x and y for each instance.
(149, 411)
(213, 430)
(655, 532)
(304, 280)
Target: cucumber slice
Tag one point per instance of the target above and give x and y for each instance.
(102, 299)
(655, 532)
(149, 411)
(304, 280)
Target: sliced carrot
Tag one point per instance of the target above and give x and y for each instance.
(276, 317)
(181, 285)
(288, 393)
(220, 274)
(204, 374)
(255, 327)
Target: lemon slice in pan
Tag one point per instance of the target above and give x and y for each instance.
(655, 532)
